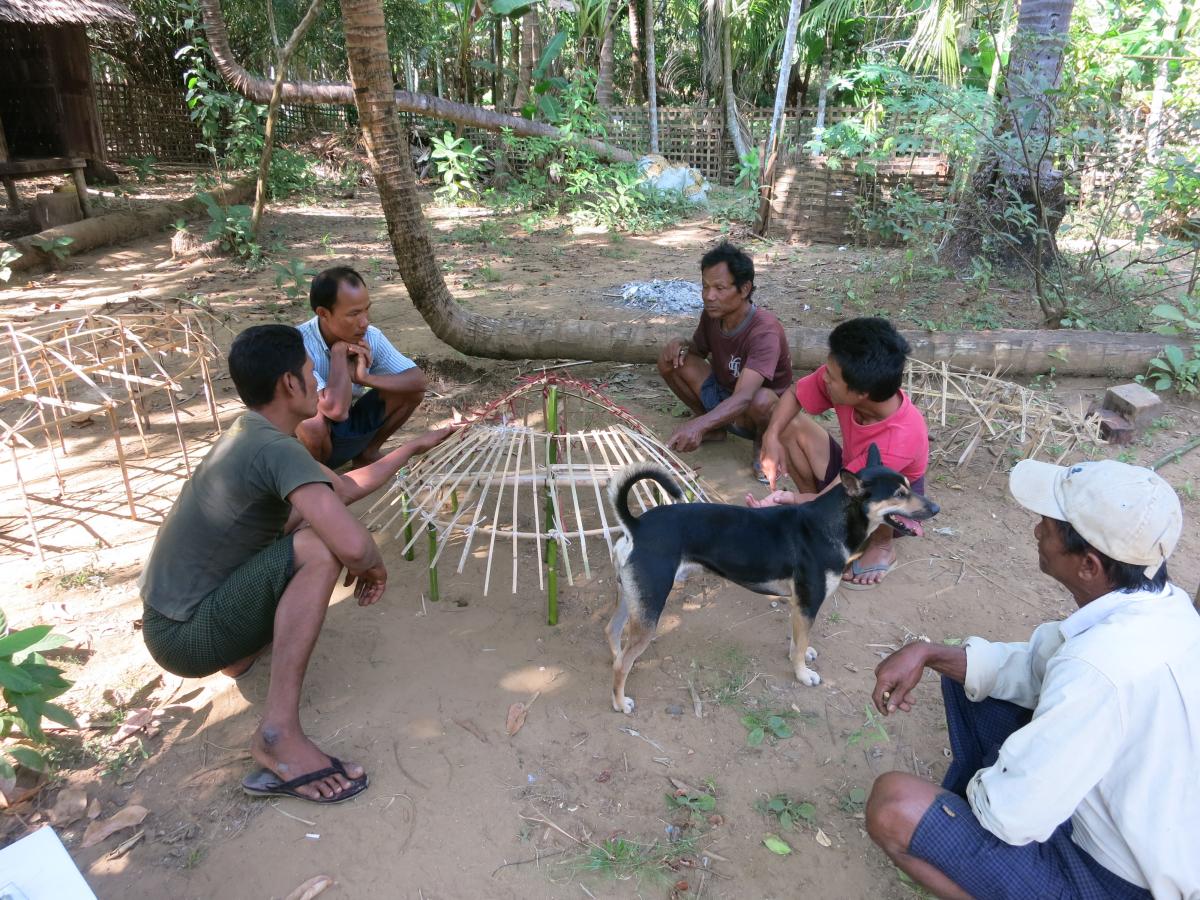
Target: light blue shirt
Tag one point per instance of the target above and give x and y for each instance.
(385, 359)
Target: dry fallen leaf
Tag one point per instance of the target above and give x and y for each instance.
(823, 839)
(70, 806)
(126, 818)
(93, 810)
(134, 722)
(310, 888)
(517, 713)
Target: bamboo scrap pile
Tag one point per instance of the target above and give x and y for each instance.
(966, 410)
(531, 467)
(103, 367)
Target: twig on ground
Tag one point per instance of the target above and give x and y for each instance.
(533, 859)
(284, 812)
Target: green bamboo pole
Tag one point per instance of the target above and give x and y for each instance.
(552, 525)
(433, 579)
(409, 554)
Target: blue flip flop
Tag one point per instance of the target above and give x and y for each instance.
(858, 571)
(265, 783)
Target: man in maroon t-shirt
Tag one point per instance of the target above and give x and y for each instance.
(732, 371)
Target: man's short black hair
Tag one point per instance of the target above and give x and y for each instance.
(871, 354)
(1124, 577)
(323, 292)
(260, 356)
(741, 266)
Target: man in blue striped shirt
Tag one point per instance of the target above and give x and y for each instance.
(368, 389)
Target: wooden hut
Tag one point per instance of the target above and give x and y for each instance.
(48, 118)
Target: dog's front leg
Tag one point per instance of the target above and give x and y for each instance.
(801, 624)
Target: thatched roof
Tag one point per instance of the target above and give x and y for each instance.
(63, 12)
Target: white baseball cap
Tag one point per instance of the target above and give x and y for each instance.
(1128, 513)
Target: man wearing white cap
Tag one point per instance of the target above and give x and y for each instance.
(1076, 755)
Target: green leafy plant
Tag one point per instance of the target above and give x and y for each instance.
(291, 173)
(855, 801)
(787, 811)
(459, 163)
(693, 802)
(624, 859)
(748, 169)
(1176, 367)
(871, 732)
(58, 247)
(29, 684)
(292, 277)
(143, 167)
(231, 226)
(7, 258)
(765, 723)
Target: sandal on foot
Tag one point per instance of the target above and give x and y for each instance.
(858, 571)
(265, 783)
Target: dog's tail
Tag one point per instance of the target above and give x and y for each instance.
(622, 483)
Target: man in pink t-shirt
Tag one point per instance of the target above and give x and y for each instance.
(737, 363)
(860, 382)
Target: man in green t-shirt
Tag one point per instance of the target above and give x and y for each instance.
(250, 554)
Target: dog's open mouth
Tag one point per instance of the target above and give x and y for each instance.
(904, 525)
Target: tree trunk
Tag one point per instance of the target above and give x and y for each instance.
(637, 80)
(1162, 85)
(313, 93)
(766, 178)
(498, 65)
(283, 57)
(733, 121)
(525, 81)
(1000, 44)
(818, 132)
(604, 77)
(651, 76)
(514, 55)
(1016, 169)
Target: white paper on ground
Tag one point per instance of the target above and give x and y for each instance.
(38, 867)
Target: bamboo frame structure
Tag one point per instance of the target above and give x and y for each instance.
(966, 410)
(530, 467)
(104, 365)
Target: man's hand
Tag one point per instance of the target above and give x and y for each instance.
(686, 438)
(772, 459)
(675, 353)
(897, 675)
(361, 356)
(369, 584)
(777, 498)
(430, 439)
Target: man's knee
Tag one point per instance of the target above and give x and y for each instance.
(313, 555)
(763, 405)
(893, 811)
(314, 435)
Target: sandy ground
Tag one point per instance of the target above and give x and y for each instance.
(418, 691)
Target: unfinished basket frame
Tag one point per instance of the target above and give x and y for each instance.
(519, 472)
(70, 369)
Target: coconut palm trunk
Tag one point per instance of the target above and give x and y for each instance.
(651, 76)
(733, 121)
(770, 157)
(637, 84)
(604, 77)
(259, 90)
(1162, 86)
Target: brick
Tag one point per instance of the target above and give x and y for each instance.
(1115, 428)
(1137, 404)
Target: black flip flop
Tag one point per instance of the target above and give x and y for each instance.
(265, 783)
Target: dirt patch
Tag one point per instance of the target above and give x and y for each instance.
(419, 691)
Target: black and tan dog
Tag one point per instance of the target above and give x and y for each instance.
(798, 552)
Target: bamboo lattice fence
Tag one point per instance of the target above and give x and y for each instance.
(101, 369)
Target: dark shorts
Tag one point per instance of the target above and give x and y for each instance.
(351, 437)
(232, 622)
(950, 838)
(713, 393)
(834, 468)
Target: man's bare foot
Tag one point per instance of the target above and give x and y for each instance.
(290, 754)
(872, 566)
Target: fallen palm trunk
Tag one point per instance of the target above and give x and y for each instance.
(314, 93)
(118, 227)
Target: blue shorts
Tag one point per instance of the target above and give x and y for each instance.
(713, 393)
(951, 839)
(351, 437)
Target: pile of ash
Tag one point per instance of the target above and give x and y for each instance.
(673, 296)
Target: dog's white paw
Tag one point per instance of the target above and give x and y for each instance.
(808, 677)
(626, 705)
(810, 654)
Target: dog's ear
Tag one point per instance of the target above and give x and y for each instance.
(873, 457)
(852, 483)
